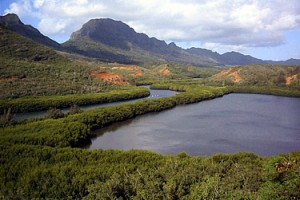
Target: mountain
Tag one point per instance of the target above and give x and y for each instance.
(17, 48)
(290, 61)
(235, 58)
(229, 58)
(13, 23)
(204, 52)
(118, 35)
(115, 41)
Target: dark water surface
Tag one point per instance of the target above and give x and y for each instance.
(263, 124)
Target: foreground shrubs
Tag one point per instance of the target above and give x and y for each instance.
(39, 172)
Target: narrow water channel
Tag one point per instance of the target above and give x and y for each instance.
(154, 94)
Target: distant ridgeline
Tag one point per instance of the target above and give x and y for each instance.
(114, 41)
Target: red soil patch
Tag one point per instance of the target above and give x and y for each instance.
(228, 72)
(102, 67)
(165, 71)
(135, 69)
(111, 78)
(8, 79)
(290, 79)
(236, 76)
(222, 73)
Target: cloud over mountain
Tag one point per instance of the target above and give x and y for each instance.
(237, 24)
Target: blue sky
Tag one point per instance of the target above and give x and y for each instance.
(268, 29)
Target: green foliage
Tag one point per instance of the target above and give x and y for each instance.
(75, 109)
(279, 91)
(55, 113)
(30, 69)
(29, 172)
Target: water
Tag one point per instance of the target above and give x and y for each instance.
(154, 94)
(265, 125)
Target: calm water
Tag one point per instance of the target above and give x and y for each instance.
(154, 94)
(265, 125)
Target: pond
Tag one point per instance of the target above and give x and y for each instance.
(262, 124)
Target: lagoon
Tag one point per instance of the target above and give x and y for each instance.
(262, 124)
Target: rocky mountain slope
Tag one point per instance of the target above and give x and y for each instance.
(116, 41)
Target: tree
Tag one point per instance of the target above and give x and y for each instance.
(7, 118)
(55, 113)
(74, 109)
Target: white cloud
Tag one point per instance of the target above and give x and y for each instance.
(38, 3)
(221, 48)
(235, 24)
(22, 8)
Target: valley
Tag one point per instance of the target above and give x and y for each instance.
(106, 61)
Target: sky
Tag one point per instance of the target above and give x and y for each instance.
(266, 29)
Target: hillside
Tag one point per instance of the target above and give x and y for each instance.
(30, 69)
(260, 75)
(13, 23)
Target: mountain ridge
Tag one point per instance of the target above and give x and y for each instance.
(119, 35)
(114, 41)
(12, 22)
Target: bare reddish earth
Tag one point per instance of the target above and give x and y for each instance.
(222, 73)
(290, 79)
(136, 71)
(165, 71)
(236, 76)
(8, 79)
(110, 77)
(228, 72)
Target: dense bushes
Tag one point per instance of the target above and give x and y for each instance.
(279, 91)
(29, 172)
